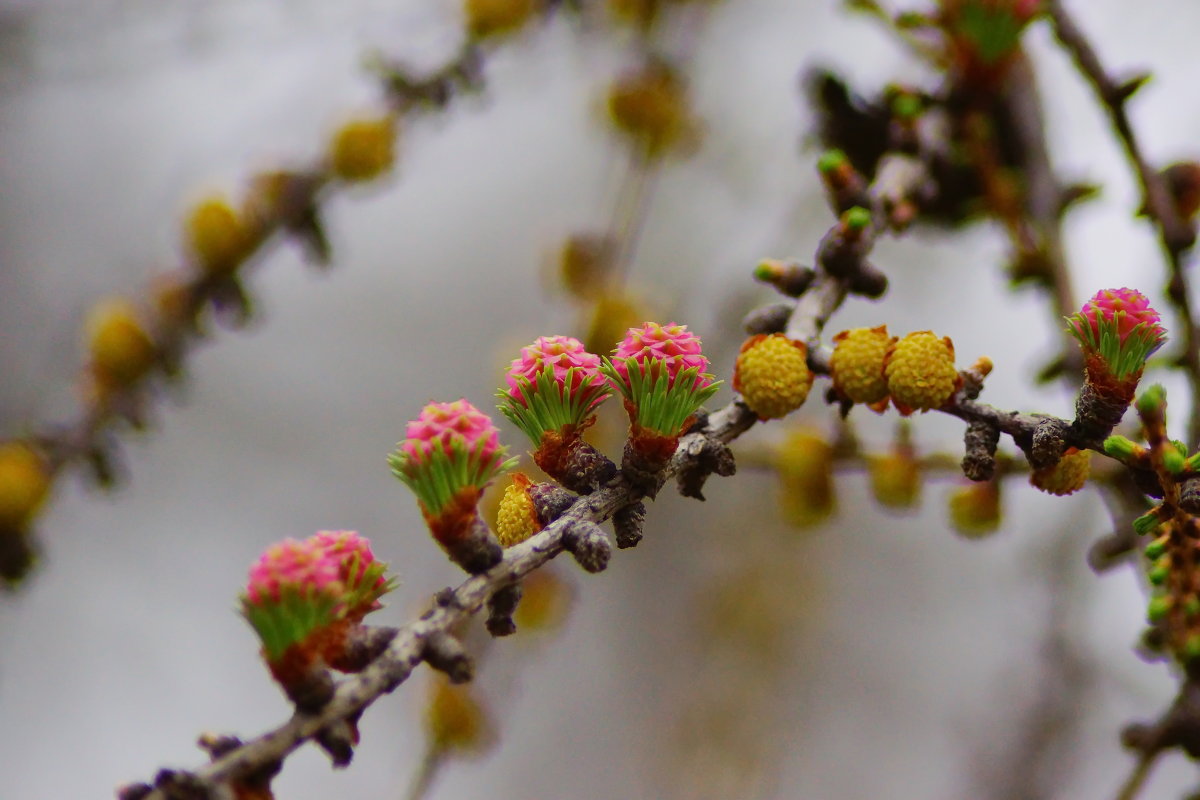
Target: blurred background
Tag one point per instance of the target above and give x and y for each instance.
(876, 654)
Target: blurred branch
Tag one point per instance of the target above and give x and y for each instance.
(299, 195)
(1044, 193)
(1178, 726)
(149, 341)
(428, 769)
(1125, 503)
(1137, 776)
(1175, 234)
(629, 215)
(1032, 764)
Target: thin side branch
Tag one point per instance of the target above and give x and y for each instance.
(1175, 235)
(295, 213)
(1137, 777)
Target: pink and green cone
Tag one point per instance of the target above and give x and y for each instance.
(553, 391)
(449, 449)
(659, 370)
(362, 575)
(297, 590)
(555, 386)
(450, 454)
(305, 600)
(983, 39)
(293, 590)
(1118, 331)
(992, 27)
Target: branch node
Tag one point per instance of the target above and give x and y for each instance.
(1111, 549)
(180, 785)
(445, 653)
(258, 780)
(477, 551)
(1097, 413)
(578, 466)
(1129, 87)
(587, 542)
(703, 456)
(841, 256)
(217, 744)
(364, 644)
(446, 598)
(550, 501)
(627, 524)
(643, 472)
(768, 319)
(310, 687)
(501, 605)
(1140, 737)
(1047, 446)
(789, 278)
(979, 460)
(868, 282)
(338, 739)
(1189, 496)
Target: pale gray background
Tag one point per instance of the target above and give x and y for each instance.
(912, 654)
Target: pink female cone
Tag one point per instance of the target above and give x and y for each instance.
(659, 370)
(291, 599)
(451, 453)
(1117, 331)
(553, 391)
(347, 645)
